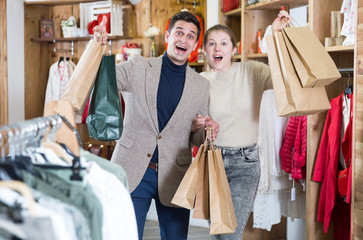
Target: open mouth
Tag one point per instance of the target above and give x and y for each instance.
(218, 58)
(181, 49)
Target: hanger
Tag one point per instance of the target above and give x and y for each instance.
(348, 89)
(9, 169)
(61, 59)
(52, 125)
(64, 134)
(24, 190)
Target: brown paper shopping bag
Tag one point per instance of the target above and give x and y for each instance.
(201, 209)
(312, 62)
(222, 215)
(83, 77)
(306, 100)
(187, 190)
(285, 105)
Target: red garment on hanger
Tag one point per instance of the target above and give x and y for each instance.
(293, 149)
(326, 165)
(194, 55)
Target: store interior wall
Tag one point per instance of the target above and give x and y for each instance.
(16, 75)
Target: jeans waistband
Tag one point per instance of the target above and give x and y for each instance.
(241, 150)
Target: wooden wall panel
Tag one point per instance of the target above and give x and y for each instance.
(36, 62)
(3, 66)
(357, 165)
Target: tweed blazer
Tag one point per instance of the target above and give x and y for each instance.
(138, 80)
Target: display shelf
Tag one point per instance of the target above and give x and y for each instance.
(276, 4)
(57, 2)
(257, 55)
(234, 12)
(340, 49)
(237, 56)
(196, 64)
(80, 39)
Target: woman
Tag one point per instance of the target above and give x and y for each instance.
(235, 94)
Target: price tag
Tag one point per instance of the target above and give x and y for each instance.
(293, 194)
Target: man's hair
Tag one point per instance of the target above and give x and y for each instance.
(187, 17)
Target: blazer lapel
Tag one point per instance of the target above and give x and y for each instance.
(151, 87)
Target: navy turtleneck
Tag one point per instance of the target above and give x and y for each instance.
(171, 85)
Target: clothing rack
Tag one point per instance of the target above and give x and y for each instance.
(64, 50)
(29, 132)
(15, 137)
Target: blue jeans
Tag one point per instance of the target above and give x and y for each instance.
(242, 167)
(173, 222)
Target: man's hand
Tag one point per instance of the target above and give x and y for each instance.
(282, 20)
(198, 122)
(100, 34)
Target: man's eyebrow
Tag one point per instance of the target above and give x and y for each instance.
(190, 30)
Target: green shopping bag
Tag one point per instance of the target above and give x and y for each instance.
(104, 119)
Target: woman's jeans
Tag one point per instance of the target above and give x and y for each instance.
(243, 173)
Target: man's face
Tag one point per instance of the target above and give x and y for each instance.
(182, 40)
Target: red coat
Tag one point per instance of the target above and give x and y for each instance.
(293, 149)
(326, 165)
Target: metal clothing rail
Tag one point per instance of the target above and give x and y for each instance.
(14, 138)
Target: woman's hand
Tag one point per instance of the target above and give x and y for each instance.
(282, 20)
(200, 121)
(209, 123)
(100, 34)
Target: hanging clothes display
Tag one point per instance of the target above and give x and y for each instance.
(59, 75)
(327, 162)
(71, 197)
(273, 198)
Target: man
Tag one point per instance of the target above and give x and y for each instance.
(166, 103)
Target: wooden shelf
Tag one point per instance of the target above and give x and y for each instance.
(276, 4)
(80, 39)
(237, 56)
(234, 12)
(340, 49)
(57, 2)
(257, 55)
(195, 64)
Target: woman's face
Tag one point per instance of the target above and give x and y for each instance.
(219, 50)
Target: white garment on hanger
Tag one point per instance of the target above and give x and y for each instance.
(345, 121)
(58, 80)
(273, 198)
(119, 221)
(60, 228)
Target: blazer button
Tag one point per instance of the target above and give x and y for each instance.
(159, 137)
(148, 155)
